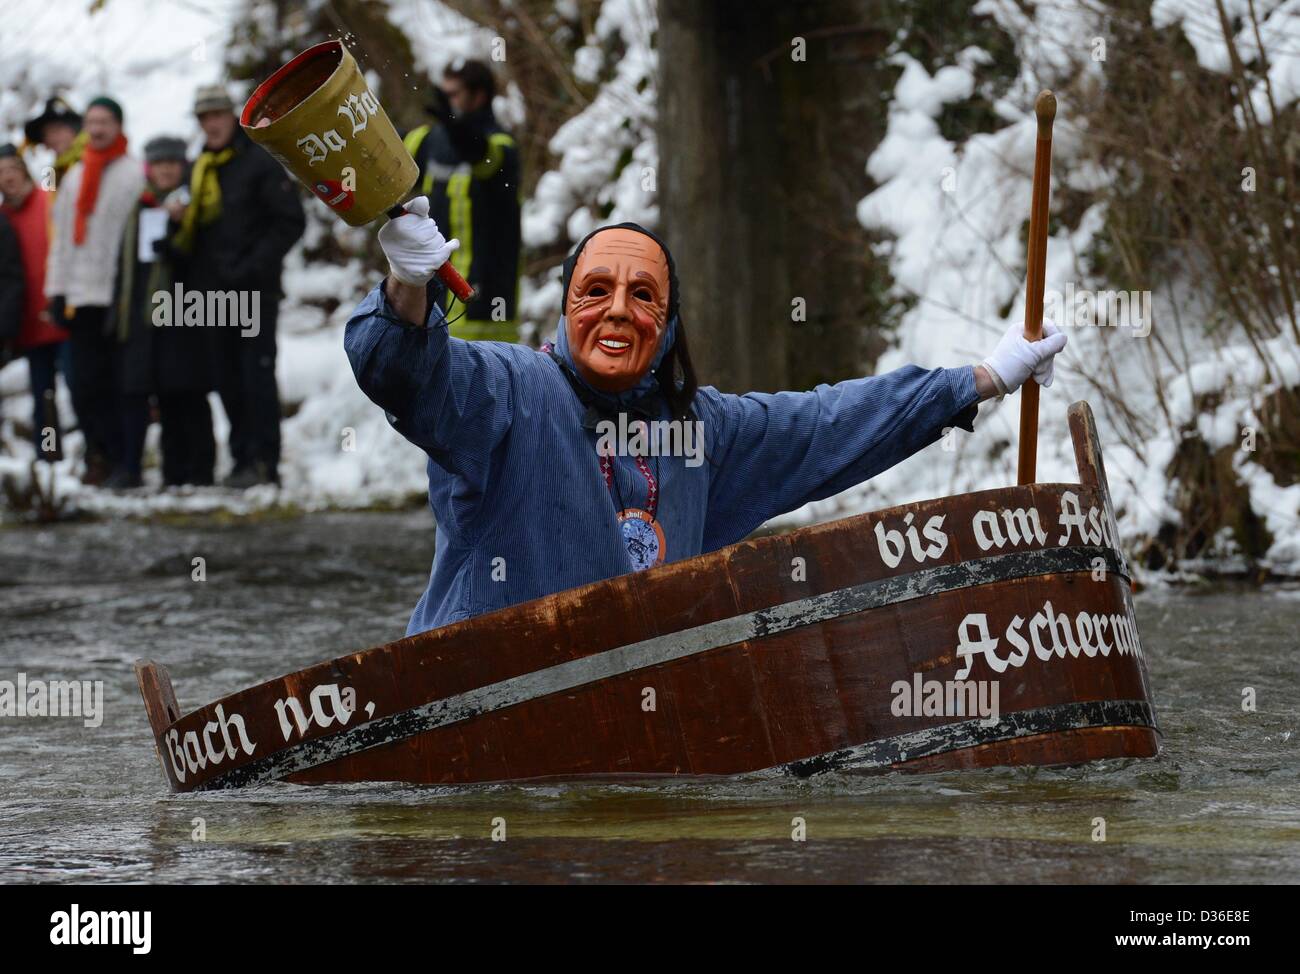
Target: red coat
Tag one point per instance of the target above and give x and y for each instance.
(31, 222)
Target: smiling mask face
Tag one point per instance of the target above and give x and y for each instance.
(617, 308)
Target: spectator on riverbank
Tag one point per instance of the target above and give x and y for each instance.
(58, 128)
(243, 217)
(163, 362)
(90, 213)
(11, 289)
(37, 336)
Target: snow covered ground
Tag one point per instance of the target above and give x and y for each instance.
(954, 215)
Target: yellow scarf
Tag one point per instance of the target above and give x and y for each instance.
(69, 157)
(205, 195)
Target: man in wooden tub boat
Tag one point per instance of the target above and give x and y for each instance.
(601, 455)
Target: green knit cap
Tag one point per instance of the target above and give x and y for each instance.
(103, 101)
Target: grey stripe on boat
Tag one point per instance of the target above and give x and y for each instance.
(807, 611)
(971, 733)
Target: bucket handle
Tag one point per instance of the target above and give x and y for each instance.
(446, 273)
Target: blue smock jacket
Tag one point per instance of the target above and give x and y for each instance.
(515, 485)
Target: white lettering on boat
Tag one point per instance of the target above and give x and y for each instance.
(1023, 526)
(896, 543)
(342, 704)
(194, 750)
(1092, 527)
(1050, 633)
(993, 530)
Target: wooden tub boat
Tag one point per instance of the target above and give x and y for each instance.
(992, 628)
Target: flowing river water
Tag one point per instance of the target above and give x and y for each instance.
(89, 804)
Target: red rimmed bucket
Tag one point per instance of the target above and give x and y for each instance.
(319, 118)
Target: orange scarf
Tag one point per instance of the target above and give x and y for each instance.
(93, 162)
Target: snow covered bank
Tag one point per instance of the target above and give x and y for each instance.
(955, 218)
(953, 214)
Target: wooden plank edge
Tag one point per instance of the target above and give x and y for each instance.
(160, 706)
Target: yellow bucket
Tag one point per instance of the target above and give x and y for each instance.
(318, 117)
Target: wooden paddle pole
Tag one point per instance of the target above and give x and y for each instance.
(1045, 109)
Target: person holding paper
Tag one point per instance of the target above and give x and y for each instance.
(160, 358)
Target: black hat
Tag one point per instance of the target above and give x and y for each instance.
(56, 110)
(164, 147)
(7, 150)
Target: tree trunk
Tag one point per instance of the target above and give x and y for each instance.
(762, 162)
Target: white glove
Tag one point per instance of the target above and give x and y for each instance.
(1016, 358)
(414, 245)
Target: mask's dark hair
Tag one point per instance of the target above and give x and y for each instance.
(678, 391)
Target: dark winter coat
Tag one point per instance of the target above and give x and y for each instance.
(152, 358)
(12, 287)
(469, 168)
(261, 218)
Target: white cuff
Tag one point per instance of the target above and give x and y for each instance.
(997, 379)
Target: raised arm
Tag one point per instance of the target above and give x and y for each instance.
(771, 453)
(451, 398)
